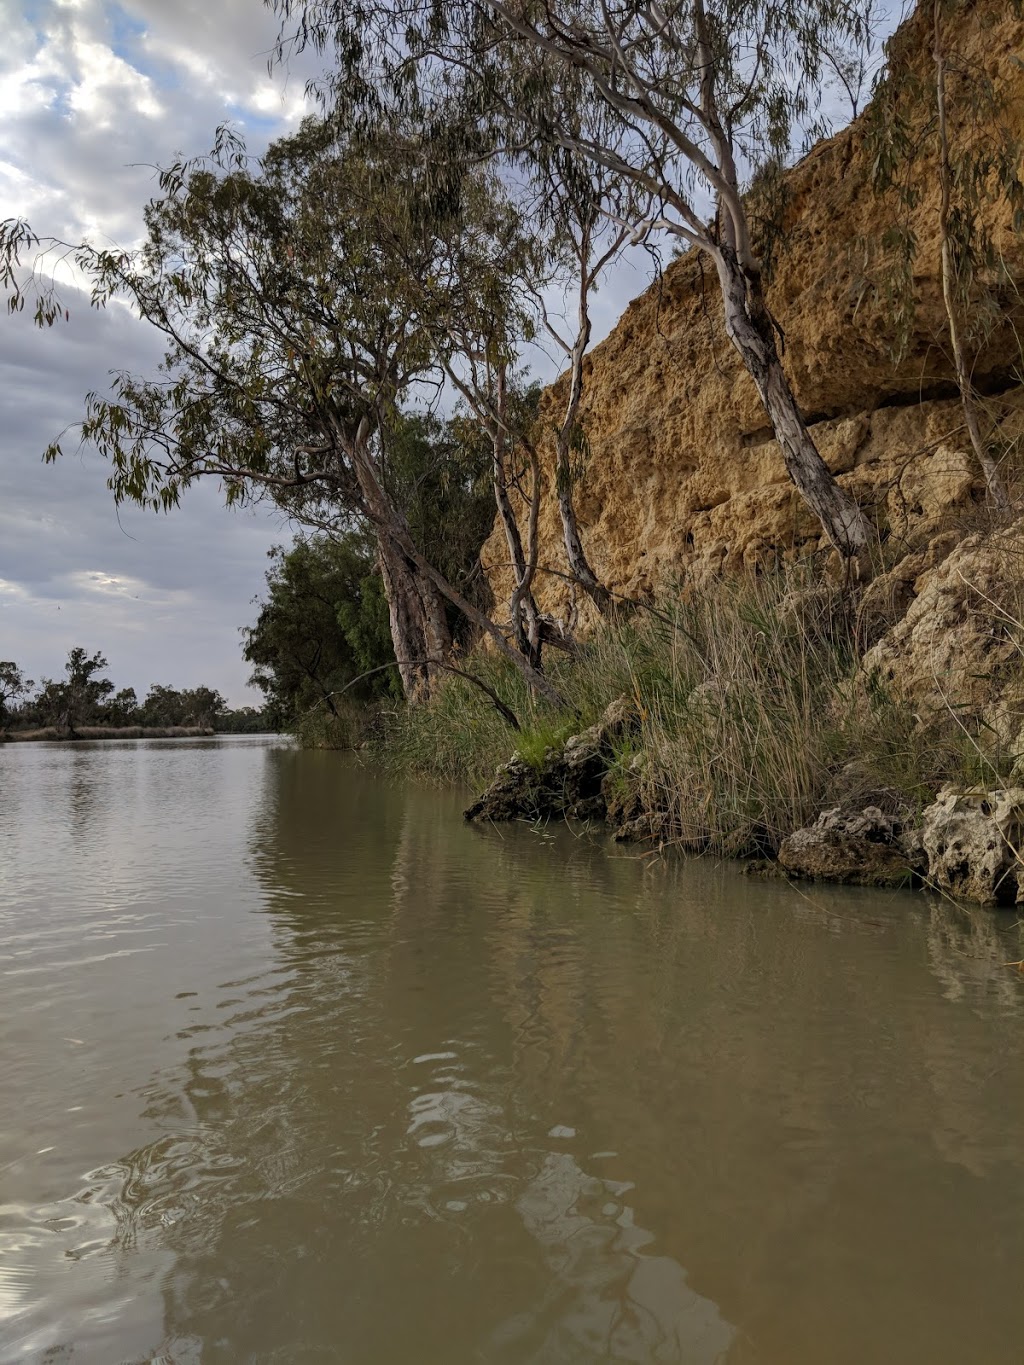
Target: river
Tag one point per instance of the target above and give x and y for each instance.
(297, 1067)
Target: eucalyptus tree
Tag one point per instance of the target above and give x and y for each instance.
(585, 207)
(700, 94)
(78, 698)
(171, 706)
(289, 293)
(481, 302)
(566, 225)
(122, 708)
(13, 685)
(534, 236)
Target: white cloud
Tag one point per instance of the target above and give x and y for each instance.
(93, 95)
(108, 87)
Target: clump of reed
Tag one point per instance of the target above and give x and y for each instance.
(755, 715)
(52, 732)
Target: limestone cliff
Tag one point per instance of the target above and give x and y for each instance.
(684, 478)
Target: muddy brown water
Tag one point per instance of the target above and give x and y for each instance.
(295, 1067)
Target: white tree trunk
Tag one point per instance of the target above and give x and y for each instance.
(579, 565)
(750, 329)
(419, 627)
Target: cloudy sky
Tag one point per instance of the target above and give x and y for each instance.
(92, 95)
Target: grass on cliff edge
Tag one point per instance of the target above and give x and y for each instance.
(755, 716)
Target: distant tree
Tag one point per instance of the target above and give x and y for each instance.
(122, 708)
(245, 720)
(192, 706)
(200, 706)
(79, 699)
(161, 706)
(13, 684)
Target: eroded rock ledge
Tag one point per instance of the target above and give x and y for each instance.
(570, 783)
(968, 844)
(866, 847)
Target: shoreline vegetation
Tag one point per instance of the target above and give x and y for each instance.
(751, 720)
(51, 733)
(85, 705)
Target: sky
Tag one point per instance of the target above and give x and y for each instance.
(93, 96)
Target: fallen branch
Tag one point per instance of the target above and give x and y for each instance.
(504, 711)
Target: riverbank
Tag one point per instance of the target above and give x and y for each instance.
(94, 732)
(869, 736)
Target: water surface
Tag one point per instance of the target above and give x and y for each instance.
(295, 1067)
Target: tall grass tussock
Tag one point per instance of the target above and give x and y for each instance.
(754, 716)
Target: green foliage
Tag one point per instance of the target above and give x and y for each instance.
(439, 472)
(79, 699)
(679, 99)
(83, 704)
(192, 706)
(343, 728)
(322, 640)
(123, 707)
(300, 297)
(458, 736)
(533, 744)
(323, 625)
(243, 720)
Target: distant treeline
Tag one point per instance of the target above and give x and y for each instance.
(84, 702)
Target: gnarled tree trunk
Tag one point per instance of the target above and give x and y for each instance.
(417, 590)
(751, 331)
(524, 617)
(416, 611)
(419, 626)
(579, 565)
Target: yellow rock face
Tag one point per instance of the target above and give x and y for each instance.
(684, 478)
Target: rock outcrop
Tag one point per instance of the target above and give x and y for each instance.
(974, 843)
(684, 478)
(570, 782)
(958, 642)
(861, 847)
